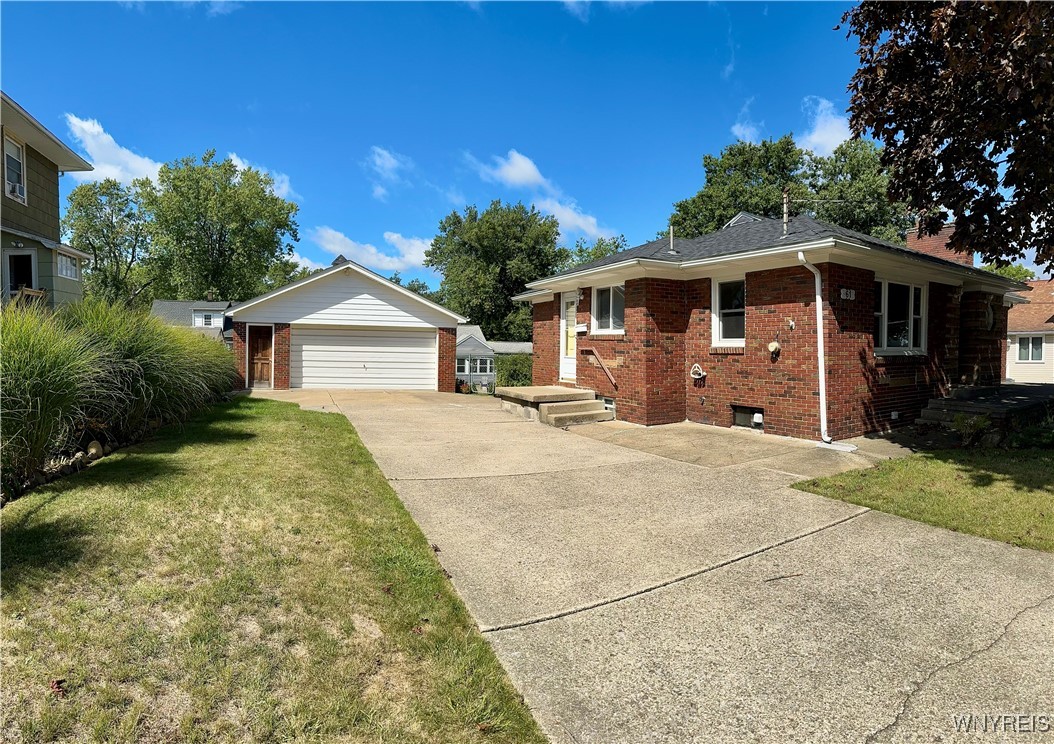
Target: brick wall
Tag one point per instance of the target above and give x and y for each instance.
(545, 365)
(280, 356)
(785, 387)
(937, 245)
(982, 349)
(447, 360)
(238, 349)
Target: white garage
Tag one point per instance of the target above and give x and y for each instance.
(344, 327)
(326, 357)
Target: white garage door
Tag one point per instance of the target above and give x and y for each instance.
(321, 357)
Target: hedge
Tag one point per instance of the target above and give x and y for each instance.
(95, 371)
(513, 370)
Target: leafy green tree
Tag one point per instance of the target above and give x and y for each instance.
(487, 257)
(282, 272)
(962, 97)
(105, 219)
(1011, 271)
(851, 187)
(418, 286)
(585, 252)
(215, 227)
(744, 177)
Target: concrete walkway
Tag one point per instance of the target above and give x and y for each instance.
(636, 598)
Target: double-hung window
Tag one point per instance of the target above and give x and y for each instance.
(462, 366)
(609, 310)
(1030, 349)
(482, 366)
(14, 170)
(899, 317)
(206, 320)
(69, 267)
(730, 318)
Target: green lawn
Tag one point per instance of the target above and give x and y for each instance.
(249, 578)
(1004, 495)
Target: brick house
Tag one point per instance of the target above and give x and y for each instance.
(722, 329)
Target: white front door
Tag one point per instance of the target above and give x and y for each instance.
(568, 310)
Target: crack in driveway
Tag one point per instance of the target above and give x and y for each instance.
(675, 580)
(917, 687)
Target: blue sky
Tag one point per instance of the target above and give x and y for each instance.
(379, 119)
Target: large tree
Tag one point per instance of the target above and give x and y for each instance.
(1017, 272)
(105, 220)
(962, 96)
(487, 257)
(851, 189)
(744, 177)
(585, 252)
(215, 227)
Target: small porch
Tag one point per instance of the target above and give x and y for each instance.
(554, 405)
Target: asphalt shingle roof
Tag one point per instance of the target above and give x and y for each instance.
(746, 233)
(1038, 314)
(181, 312)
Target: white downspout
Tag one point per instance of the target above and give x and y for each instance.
(820, 360)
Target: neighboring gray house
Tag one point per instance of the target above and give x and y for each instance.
(475, 355)
(205, 316)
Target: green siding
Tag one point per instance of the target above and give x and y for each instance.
(40, 215)
(61, 290)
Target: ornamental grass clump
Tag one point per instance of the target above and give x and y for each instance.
(95, 370)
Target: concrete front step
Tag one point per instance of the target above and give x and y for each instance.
(561, 420)
(545, 410)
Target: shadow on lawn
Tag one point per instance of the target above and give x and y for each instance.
(1026, 469)
(35, 550)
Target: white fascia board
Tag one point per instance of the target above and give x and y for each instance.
(346, 266)
(763, 253)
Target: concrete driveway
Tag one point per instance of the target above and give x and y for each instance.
(637, 598)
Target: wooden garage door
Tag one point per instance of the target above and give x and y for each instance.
(321, 357)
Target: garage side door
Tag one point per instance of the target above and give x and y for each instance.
(321, 357)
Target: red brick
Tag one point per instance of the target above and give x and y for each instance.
(447, 352)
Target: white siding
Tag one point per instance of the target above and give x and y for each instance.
(217, 318)
(321, 357)
(1030, 371)
(347, 298)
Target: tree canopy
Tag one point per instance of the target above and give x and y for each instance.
(585, 252)
(215, 227)
(1016, 272)
(487, 257)
(962, 97)
(105, 220)
(847, 188)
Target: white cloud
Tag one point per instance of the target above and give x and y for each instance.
(515, 170)
(282, 185)
(308, 263)
(578, 8)
(110, 159)
(828, 129)
(386, 167)
(728, 69)
(221, 7)
(572, 219)
(745, 129)
(410, 251)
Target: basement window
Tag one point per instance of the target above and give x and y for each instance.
(747, 417)
(609, 404)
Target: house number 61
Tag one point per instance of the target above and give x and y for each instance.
(848, 294)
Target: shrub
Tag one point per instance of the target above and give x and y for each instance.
(95, 370)
(513, 370)
(47, 377)
(970, 428)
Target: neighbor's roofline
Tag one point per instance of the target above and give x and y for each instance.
(79, 163)
(333, 270)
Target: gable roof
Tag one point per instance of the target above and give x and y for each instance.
(467, 330)
(1038, 314)
(24, 126)
(181, 312)
(344, 265)
(747, 233)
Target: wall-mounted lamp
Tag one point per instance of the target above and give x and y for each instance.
(774, 349)
(17, 243)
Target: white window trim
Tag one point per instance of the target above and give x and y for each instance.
(206, 320)
(715, 313)
(921, 349)
(595, 330)
(76, 267)
(24, 200)
(32, 252)
(1042, 350)
(457, 366)
(490, 365)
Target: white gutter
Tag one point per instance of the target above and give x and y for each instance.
(820, 360)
